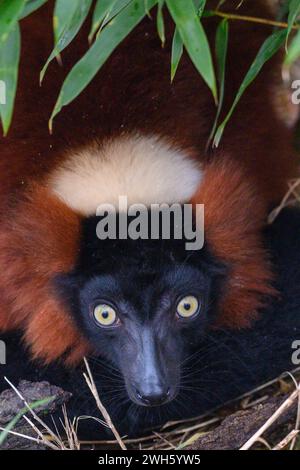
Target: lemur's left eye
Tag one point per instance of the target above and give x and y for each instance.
(188, 306)
(105, 315)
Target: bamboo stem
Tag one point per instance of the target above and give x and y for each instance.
(253, 19)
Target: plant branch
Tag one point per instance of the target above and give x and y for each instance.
(253, 19)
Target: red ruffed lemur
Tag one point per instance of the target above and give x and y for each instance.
(144, 308)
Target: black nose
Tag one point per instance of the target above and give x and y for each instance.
(153, 396)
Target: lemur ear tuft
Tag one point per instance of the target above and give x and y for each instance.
(39, 240)
(234, 220)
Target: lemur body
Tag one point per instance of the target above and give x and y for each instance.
(133, 133)
(228, 363)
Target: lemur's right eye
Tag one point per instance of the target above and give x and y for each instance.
(188, 307)
(105, 315)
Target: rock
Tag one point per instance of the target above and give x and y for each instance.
(237, 428)
(11, 404)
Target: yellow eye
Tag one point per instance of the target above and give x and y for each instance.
(187, 306)
(105, 315)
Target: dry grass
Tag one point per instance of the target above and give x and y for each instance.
(286, 405)
(92, 386)
(175, 434)
(291, 198)
(180, 434)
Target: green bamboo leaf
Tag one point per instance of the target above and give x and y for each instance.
(118, 6)
(294, 51)
(102, 9)
(21, 413)
(177, 50)
(104, 12)
(64, 11)
(31, 6)
(160, 22)
(147, 10)
(87, 67)
(9, 64)
(177, 44)
(294, 11)
(68, 18)
(10, 11)
(200, 5)
(221, 55)
(194, 39)
(271, 45)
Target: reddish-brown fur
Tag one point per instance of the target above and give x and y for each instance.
(234, 216)
(132, 92)
(38, 241)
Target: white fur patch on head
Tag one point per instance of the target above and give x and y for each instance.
(145, 169)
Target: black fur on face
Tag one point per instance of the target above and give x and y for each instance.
(142, 282)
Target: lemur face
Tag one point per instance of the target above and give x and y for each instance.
(142, 305)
